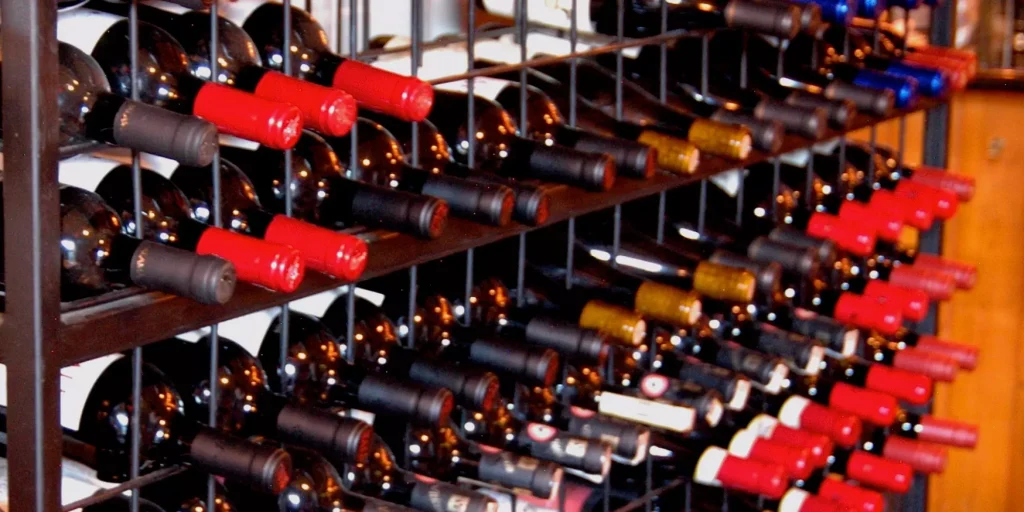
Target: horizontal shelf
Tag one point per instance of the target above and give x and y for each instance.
(143, 318)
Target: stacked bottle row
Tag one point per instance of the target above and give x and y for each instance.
(191, 243)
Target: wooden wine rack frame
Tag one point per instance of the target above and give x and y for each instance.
(39, 335)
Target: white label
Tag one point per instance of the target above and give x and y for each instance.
(158, 164)
(763, 425)
(237, 142)
(238, 11)
(729, 181)
(77, 482)
(361, 415)
(851, 340)
(798, 158)
(778, 378)
(169, 7)
(826, 147)
(538, 44)
(553, 13)
(76, 383)
(708, 466)
(505, 51)
(793, 500)
(84, 171)
(83, 28)
(715, 412)
(791, 410)
(248, 331)
(317, 304)
(483, 86)
(520, 502)
(742, 443)
(655, 414)
(437, 63)
(814, 360)
(740, 395)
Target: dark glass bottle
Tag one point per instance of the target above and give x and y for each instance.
(325, 193)
(187, 492)
(326, 110)
(169, 219)
(500, 149)
(532, 202)
(383, 163)
(98, 257)
(405, 97)
(245, 404)
(165, 80)
(89, 111)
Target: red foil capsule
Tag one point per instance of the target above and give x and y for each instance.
(938, 286)
(404, 97)
(884, 474)
(861, 500)
(795, 460)
(923, 457)
(819, 446)
(274, 266)
(964, 274)
(944, 202)
(867, 313)
(328, 111)
(871, 406)
(961, 185)
(965, 355)
(936, 366)
(855, 238)
(336, 254)
(915, 213)
(800, 413)
(947, 432)
(717, 467)
(887, 224)
(914, 304)
(913, 388)
(799, 500)
(234, 112)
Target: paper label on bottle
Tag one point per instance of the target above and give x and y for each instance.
(173, 7)
(708, 466)
(798, 158)
(437, 63)
(76, 383)
(791, 411)
(553, 13)
(361, 415)
(740, 395)
(763, 425)
(78, 482)
(85, 171)
(237, 11)
(158, 164)
(484, 86)
(83, 28)
(647, 412)
(317, 304)
(729, 181)
(742, 443)
(237, 142)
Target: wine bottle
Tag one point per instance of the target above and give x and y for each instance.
(166, 81)
(96, 405)
(644, 19)
(923, 457)
(88, 110)
(932, 80)
(503, 151)
(959, 184)
(794, 460)
(404, 97)
(324, 195)
(957, 71)
(169, 219)
(867, 469)
(245, 406)
(326, 110)
(188, 490)
(794, 499)
(316, 373)
(326, 251)
(891, 175)
(98, 257)
(532, 202)
(382, 163)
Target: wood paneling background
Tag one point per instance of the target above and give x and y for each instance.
(986, 141)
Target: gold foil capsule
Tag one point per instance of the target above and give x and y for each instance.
(618, 322)
(724, 283)
(731, 141)
(674, 154)
(668, 304)
(909, 240)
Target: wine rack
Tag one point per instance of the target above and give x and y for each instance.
(39, 335)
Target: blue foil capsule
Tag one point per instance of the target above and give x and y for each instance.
(903, 88)
(840, 12)
(870, 8)
(931, 82)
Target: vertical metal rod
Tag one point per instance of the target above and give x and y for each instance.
(663, 64)
(214, 354)
(620, 28)
(743, 61)
(809, 182)
(705, 63)
(521, 272)
(411, 311)
(570, 252)
(875, 43)
(350, 324)
(901, 143)
(416, 31)
(364, 9)
(522, 27)
(688, 497)
(649, 481)
(470, 84)
(30, 328)
(703, 212)
(872, 144)
(353, 50)
(616, 234)
(468, 290)
(842, 154)
(136, 429)
(607, 494)
(740, 200)
(776, 183)
(286, 43)
(574, 36)
(662, 206)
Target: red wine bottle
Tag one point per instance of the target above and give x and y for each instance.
(960, 184)
(245, 406)
(532, 202)
(98, 257)
(167, 82)
(382, 162)
(326, 110)
(325, 195)
(169, 220)
(502, 150)
(404, 97)
(890, 174)
(88, 110)
(96, 408)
